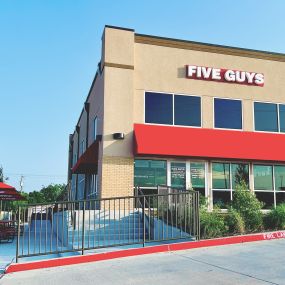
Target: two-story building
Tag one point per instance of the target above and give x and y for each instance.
(183, 114)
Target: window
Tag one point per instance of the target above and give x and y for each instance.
(150, 173)
(178, 174)
(187, 110)
(197, 174)
(265, 117)
(158, 108)
(282, 118)
(228, 114)
(171, 109)
(263, 184)
(263, 177)
(95, 128)
(226, 177)
(82, 147)
(279, 174)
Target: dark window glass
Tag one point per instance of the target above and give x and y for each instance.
(150, 173)
(221, 198)
(279, 173)
(282, 118)
(221, 176)
(265, 117)
(267, 198)
(158, 108)
(187, 110)
(280, 198)
(263, 177)
(228, 114)
(178, 174)
(240, 175)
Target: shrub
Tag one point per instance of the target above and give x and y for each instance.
(248, 206)
(276, 218)
(212, 224)
(235, 222)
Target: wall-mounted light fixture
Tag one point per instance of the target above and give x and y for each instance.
(118, 136)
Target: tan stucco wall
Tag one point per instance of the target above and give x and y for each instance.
(162, 69)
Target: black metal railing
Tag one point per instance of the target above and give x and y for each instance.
(77, 226)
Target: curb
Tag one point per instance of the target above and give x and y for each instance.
(16, 267)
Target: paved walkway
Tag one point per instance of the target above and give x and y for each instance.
(249, 263)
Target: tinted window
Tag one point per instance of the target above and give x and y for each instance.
(228, 114)
(178, 174)
(240, 175)
(265, 116)
(279, 174)
(158, 108)
(150, 172)
(221, 176)
(187, 110)
(263, 177)
(282, 118)
(197, 170)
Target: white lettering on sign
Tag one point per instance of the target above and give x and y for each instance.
(274, 235)
(224, 75)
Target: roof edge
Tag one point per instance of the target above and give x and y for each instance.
(206, 47)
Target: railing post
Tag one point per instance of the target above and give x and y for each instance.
(144, 221)
(83, 228)
(18, 234)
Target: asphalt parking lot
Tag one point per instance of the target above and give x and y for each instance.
(249, 263)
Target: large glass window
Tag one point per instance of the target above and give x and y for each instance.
(197, 173)
(158, 108)
(263, 177)
(240, 175)
(150, 173)
(265, 117)
(228, 113)
(282, 118)
(279, 175)
(187, 110)
(178, 174)
(221, 176)
(226, 177)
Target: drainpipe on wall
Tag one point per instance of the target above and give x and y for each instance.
(70, 159)
(87, 107)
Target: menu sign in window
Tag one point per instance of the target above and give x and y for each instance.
(197, 175)
(178, 174)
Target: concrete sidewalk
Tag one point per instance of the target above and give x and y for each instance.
(249, 263)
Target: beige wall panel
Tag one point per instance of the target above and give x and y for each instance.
(118, 111)
(119, 46)
(248, 124)
(96, 100)
(162, 69)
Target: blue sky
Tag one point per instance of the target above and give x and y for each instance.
(49, 51)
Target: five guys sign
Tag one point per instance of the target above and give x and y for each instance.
(224, 75)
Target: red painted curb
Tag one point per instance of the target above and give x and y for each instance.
(16, 267)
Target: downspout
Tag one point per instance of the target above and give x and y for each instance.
(78, 143)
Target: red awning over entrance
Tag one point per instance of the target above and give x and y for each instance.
(154, 140)
(9, 193)
(88, 162)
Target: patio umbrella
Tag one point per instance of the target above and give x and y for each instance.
(9, 193)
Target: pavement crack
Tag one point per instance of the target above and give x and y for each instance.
(226, 269)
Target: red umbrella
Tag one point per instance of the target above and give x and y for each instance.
(9, 193)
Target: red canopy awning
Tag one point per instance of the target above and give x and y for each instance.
(88, 162)
(154, 140)
(9, 193)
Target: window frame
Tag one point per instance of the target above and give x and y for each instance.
(242, 117)
(278, 116)
(95, 119)
(173, 108)
(230, 162)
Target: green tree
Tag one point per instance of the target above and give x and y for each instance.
(50, 193)
(2, 177)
